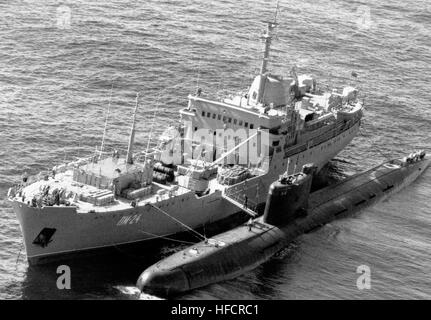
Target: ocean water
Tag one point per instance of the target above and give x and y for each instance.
(60, 61)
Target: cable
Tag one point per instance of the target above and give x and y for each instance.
(178, 221)
(19, 255)
(167, 238)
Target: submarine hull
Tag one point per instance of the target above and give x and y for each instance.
(237, 251)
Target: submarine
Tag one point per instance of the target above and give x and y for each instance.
(290, 210)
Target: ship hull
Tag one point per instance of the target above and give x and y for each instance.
(55, 232)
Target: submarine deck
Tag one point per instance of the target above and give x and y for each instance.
(223, 240)
(353, 182)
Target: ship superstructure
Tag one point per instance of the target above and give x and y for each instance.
(219, 161)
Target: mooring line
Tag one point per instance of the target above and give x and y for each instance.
(155, 236)
(200, 236)
(19, 255)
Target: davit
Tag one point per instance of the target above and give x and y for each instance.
(290, 211)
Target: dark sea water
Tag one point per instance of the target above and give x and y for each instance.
(55, 82)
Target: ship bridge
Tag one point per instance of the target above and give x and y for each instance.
(231, 117)
(233, 113)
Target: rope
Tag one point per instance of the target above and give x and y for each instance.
(152, 126)
(80, 135)
(224, 155)
(199, 74)
(155, 236)
(19, 255)
(200, 236)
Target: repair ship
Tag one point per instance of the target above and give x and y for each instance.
(189, 179)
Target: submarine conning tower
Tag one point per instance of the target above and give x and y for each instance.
(288, 197)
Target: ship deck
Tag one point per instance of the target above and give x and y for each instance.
(65, 181)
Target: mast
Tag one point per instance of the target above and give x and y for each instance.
(267, 37)
(129, 159)
(106, 123)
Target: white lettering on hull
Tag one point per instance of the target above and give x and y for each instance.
(129, 219)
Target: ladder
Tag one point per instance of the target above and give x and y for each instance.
(240, 205)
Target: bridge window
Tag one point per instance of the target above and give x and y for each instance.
(234, 121)
(214, 115)
(203, 113)
(240, 122)
(246, 124)
(219, 116)
(209, 114)
(251, 126)
(230, 120)
(224, 118)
